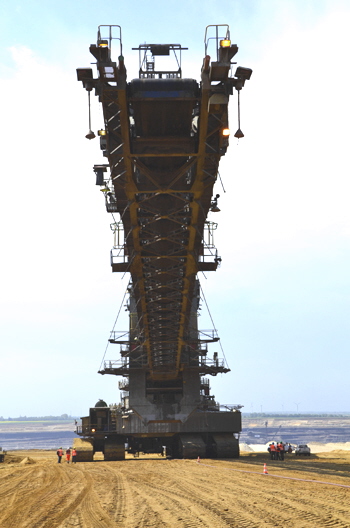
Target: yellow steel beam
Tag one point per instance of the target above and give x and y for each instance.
(131, 190)
(197, 190)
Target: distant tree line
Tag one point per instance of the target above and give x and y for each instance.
(37, 418)
(295, 415)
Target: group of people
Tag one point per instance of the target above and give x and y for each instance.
(278, 449)
(70, 452)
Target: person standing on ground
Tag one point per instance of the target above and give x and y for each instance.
(68, 455)
(269, 450)
(74, 456)
(273, 451)
(280, 451)
(59, 455)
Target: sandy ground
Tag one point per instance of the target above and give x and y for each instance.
(36, 492)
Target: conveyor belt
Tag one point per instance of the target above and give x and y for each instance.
(164, 139)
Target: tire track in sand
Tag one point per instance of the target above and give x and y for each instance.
(163, 494)
(52, 500)
(287, 505)
(123, 505)
(162, 491)
(245, 500)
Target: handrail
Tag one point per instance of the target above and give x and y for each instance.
(110, 37)
(216, 38)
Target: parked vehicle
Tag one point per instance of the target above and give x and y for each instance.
(302, 449)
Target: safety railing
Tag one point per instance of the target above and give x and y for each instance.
(106, 35)
(123, 385)
(119, 336)
(216, 363)
(219, 34)
(207, 336)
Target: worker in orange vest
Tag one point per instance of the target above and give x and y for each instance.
(280, 451)
(273, 451)
(74, 456)
(59, 455)
(68, 455)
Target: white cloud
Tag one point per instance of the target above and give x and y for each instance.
(287, 180)
(285, 214)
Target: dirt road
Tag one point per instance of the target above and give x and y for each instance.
(150, 492)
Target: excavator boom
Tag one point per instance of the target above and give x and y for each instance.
(163, 137)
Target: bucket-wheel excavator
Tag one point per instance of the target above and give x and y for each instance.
(163, 137)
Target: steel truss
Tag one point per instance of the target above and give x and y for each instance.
(163, 152)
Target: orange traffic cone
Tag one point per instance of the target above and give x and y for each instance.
(198, 460)
(265, 470)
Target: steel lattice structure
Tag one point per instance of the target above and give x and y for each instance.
(164, 137)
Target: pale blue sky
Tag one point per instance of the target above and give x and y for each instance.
(281, 297)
